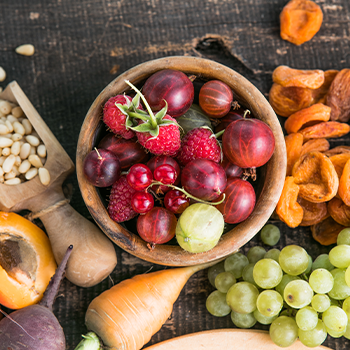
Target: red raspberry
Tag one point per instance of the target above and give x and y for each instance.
(119, 206)
(199, 143)
(114, 118)
(166, 143)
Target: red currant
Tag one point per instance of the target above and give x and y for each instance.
(166, 174)
(176, 201)
(139, 177)
(142, 202)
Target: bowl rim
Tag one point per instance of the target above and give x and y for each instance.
(231, 241)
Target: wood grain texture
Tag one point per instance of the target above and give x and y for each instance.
(83, 45)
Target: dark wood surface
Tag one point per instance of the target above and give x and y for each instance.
(82, 45)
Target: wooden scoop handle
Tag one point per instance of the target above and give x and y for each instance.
(93, 257)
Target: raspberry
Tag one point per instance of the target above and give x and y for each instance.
(114, 118)
(199, 143)
(119, 207)
(167, 142)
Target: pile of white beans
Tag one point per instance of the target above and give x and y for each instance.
(22, 152)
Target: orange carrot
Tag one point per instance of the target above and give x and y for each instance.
(127, 315)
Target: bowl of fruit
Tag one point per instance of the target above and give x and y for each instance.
(181, 161)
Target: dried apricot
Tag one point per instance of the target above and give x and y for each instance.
(288, 100)
(339, 161)
(316, 177)
(325, 130)
(337, 150)
(294, 144)
(300, 20)
(320, 145)
(286, 76)
(313, 212)
(338, 96)
(288, 209)
(321, 92)
(344, 184)
(326, 232)
(306, 116)
(339, 211)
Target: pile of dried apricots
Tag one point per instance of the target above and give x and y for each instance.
(316, 192)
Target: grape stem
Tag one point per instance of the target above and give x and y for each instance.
(98, 153)
(188, 195)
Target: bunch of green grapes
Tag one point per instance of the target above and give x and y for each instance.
(297, 297)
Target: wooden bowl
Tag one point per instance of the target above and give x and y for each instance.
(271, 175)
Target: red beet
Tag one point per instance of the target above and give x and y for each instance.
(35, 327)
(204, 179)
(157, 226)
(248, 143)
(215, 98)
(129, 152)
(239, 201)
(172, 86)
(102, 167)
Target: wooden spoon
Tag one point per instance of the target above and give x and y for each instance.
(228, 339)
(93, 257)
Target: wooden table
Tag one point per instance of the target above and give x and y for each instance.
(82, 45)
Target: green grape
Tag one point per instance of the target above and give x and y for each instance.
(262, 318)
(247, 274)
(269, 303)
(346, 307)
(224, 281)
(242, 296)
(267, 273)
(309, 266)
(294, 260)
(335, 334)
(306, 318)
(322, 262)
(216, 304)
(335, 318)
(320, 302)
(340, 290)
(283, 331)
(347, 332)
(344, 236)
(273, 253)
(270, 234)
(235, 264)
(321, 281)
(347, 276)
(339, 256)
(284, 281)
(213, 271)
(243, 320)
(315, 337)
(298, 294)
(255, 254)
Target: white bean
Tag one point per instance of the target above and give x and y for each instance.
(1, 171)
(9, 163)
(5, 107)
(5, 142)
(9, 125)
(2, 159)
(24, 166)
(2, 74)
(27, 126)
(41, 150)
(16, 148)
(6, 151)
(19, 128)
(17, 112)
(15, 170)
(32, 172)
(11, 118)
(15, 181)
(4, 129)
(16, 137)
(32, 150)
(25, 150)
(26, 50)
(33, 140)
(3, 118)
(10, 175)
(35, 160)
(18, 161)
(44, 176)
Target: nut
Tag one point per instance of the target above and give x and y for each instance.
(25, 50)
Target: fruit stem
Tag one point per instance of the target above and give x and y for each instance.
(138, 116)
(151, 115)
(98, 153)
(247, 111)
(187, 194)
(217, 135)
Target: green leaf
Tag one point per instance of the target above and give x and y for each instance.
(162, 113)
(166, 122)
(135, 101)
(128, 122)
(143, 127)
(90, 342)
(122, 108)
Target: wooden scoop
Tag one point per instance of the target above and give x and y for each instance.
(229, 339)
(93, 257)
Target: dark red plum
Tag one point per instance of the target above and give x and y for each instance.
(172, 86)
(231, 170)
(239, 201)
(204, 179)
(129, 152)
